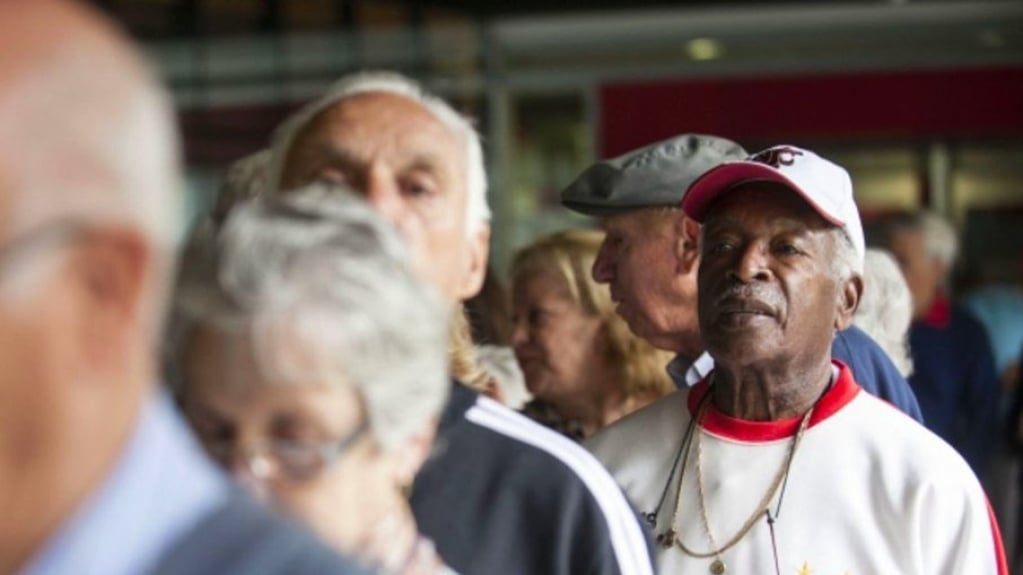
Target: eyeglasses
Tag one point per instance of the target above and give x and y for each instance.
(294, 460)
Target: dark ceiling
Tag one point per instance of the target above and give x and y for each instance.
(165, 19)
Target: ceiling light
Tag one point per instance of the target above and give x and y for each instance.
(701, 49)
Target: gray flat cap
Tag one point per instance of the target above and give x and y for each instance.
(654, 175)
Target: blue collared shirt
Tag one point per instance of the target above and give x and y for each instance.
(161, 487)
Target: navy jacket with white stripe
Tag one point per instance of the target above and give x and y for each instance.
(502, 494)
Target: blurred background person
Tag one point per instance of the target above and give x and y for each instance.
(98, 474)
(583, 366)
(953, 369)
(313, 368)
(886, 307)
(1000, 309)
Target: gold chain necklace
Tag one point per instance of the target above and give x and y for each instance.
(718, 567)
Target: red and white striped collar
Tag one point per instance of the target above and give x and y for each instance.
(717, 422)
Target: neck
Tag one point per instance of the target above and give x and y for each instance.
(690, 346)
(59, 462)
(769, 393)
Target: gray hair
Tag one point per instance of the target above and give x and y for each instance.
(477, 210)
(886, 308)
(320, 286)
(245, 179)
(847, 261)
(940, 238)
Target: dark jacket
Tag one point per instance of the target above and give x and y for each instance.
(504, 495)
(874, 370)
(954, 378)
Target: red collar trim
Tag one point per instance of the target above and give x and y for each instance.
(717, 422)
(940, 313)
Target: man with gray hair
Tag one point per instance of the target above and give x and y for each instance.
(501, 494)
(97, 472)
(953, 365)
(650, 258)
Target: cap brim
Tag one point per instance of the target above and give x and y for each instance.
(604, 210)
(726, 177)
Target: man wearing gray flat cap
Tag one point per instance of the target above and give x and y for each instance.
(650, 257)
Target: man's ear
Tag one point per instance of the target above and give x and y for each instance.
(475, 263)
(112, 268)
(848, 301)
(687, 243)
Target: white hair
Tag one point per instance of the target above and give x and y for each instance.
(847, 261)
(320, 286)
(245, 179)
(939, 237)
(477, 210)
(886, 307)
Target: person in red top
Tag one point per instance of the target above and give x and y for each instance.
(954, 375)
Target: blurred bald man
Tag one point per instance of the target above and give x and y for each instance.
(97, 474)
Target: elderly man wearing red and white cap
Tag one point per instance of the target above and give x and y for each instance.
(776, 462)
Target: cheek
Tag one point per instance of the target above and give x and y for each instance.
(339, 504)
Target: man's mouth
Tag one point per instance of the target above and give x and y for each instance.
(744, 307)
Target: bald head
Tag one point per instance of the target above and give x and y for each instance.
(84, 131)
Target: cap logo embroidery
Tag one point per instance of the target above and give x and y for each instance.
(777, 157)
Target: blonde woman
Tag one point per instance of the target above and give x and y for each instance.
(583, 366)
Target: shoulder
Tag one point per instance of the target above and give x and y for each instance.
(563, 460)
(639, 449)
(243, 537)
(496, 471)
(905, 447)
(966, 322)
(630, 436)
(874, 370)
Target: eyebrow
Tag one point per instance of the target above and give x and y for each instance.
(426, 162)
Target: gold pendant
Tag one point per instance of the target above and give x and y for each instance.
(717, 567)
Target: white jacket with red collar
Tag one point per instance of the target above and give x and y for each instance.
(869, 491)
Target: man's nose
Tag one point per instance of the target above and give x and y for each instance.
(752, 263)
(382, 192)
(519, 334)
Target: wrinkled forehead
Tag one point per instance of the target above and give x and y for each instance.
(383, 124)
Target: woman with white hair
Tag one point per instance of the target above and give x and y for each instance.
(312, 366)
(886, 307)
(953, 367)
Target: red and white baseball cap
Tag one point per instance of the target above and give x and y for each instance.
(823, 184)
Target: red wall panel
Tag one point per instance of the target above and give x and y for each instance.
(870, 106)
